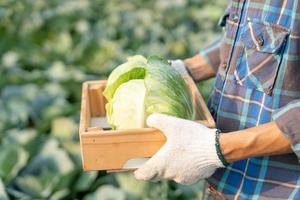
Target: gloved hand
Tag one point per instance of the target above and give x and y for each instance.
(188, 155)
(179, 66)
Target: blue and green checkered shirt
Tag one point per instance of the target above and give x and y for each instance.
(257, 81)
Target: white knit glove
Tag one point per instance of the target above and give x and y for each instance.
(188, 155)
(179, 66)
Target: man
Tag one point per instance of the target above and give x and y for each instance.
(255, 103)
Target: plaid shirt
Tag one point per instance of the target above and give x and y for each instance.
(258, 81)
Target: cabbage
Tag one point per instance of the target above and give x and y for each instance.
(143, 86)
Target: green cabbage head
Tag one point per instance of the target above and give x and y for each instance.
(143, 86)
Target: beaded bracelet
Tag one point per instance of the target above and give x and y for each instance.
(218, 149)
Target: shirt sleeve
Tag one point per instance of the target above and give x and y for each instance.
(288, 120)
(200, 68)
(211, 54)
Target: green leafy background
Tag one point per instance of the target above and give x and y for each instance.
(47, 49)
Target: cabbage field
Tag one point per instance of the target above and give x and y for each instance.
(47, 49)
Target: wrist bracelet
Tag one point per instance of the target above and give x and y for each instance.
(218, 149)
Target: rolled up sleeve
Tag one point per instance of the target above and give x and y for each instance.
(288, 120)
(211, 54)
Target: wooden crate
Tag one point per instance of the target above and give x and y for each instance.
(105, 149)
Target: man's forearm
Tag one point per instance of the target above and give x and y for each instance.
(262, 140)
(199, 68)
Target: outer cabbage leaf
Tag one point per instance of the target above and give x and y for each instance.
(134, 68)
(166, 91)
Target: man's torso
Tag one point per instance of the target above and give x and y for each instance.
(259, 73)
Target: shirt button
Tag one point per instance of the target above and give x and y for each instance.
(235, 18)
(261, 41)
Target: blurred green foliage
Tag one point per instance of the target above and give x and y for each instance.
(47, 49)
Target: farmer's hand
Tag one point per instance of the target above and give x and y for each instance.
(188, 155)
(180, 67)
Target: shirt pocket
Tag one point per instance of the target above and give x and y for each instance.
(262, 47)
